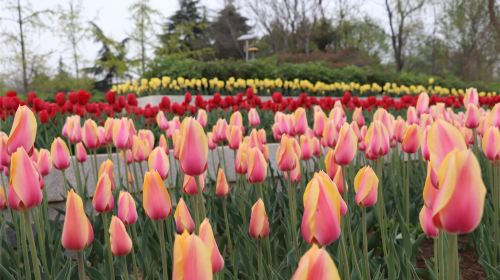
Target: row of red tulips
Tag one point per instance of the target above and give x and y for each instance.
(447, 142)
(79, 103)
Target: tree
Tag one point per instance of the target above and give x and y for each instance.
(226, 29)
(185, 31)
(142, 15)
(400, 14)
(470, 36)
(26, 20)
(111, 62)
(72, 31)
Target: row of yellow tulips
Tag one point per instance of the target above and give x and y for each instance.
(267, 86)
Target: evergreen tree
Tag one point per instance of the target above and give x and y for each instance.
(185, 31)
(226, 29)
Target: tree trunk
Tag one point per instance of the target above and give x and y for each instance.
(23, 48)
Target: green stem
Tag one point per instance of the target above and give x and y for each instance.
(201, 205)
(226, 221)
(365, 243)
(345, 259)
(118, 181)
(26, 262)
(123, 260)
(260, 262)
(134, 260)
(31, 239)
(81, 265)
(161, 233)
(292, 205)
(41, 240)
(348, 219)
(111, 269)
(441, 259)
(453, 265)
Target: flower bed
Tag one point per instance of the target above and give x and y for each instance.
(354, 191)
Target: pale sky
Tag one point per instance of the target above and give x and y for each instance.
(113, 17)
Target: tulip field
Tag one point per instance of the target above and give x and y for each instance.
(235, 187)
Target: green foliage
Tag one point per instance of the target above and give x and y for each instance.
(269, 68)
(225, 30)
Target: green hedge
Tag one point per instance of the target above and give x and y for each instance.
(269, 68)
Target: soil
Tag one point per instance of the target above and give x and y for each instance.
(469, 265)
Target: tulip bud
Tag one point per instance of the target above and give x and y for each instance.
(140, 148)
(221, 185)
(259, 223)
(121, 244)
(411, 140)
(190, 187)
(103, 200)
(234, 136)
(147, 136)
(316, 264)
(330, 134)
(163, 143)
(191, 259)
(399, 129)
(121, 134)
(411, 115)
(357, 116)
(472, 116)
(101, 135)
(161, 121)
(80, 152)
(459, 204)
(257, 166)
(423, 103)
(334, 171)
(107, 168)
(219, 131)
(90, 134)
(285, 154)
(202, 117)
(306, 147)
(241, 160)
(44, 162)
(319, 123)
(193, 151)
(294, 175)
(60, 154)
(24, 184)
(158, 160)
(471, 97)
(236, 119)
(3, 200)
(425, 218)
(424, 147)
(300, 121)
(183, 219)
(491, 143)
(207, 236)
(108, 129)
(77, 231)
(346, 147)
(23, 131)
(173, 125)
(376, 140)
(127, 211)
(443, 138)
(253, 117)
(322, 210)
(155, 198)
(366, 187)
